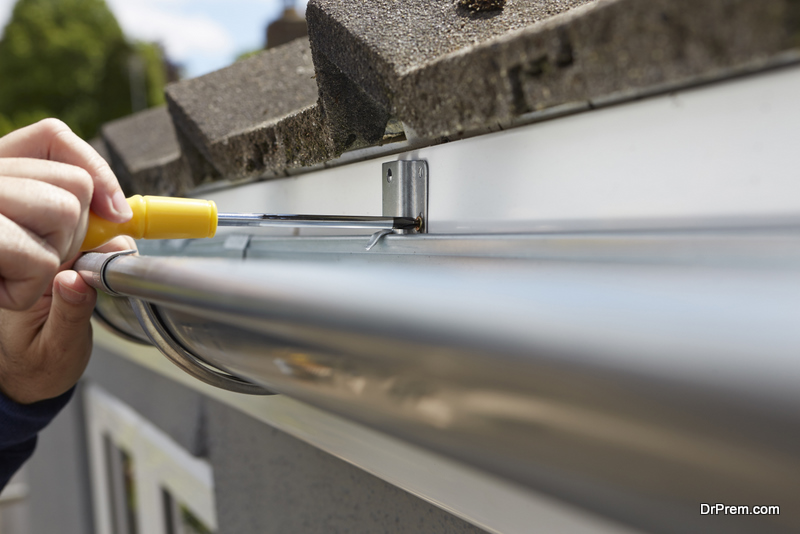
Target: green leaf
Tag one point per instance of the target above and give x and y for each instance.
(69, 59)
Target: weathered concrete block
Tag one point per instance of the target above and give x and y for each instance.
(256, 118)
(352, 119)
(144, 154)
(606, 50)
(444, 69)
(370, 48)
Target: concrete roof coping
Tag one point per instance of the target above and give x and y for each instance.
(250, 93)
(255, 118)
(143, 139)
(144, 153)
(442, 70)
(408, 34)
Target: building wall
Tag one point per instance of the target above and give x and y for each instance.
(59, 496)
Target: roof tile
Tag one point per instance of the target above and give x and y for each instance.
(443, 70)
(255, 118)
(144, 154)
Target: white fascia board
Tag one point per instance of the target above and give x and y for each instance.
(724, 151)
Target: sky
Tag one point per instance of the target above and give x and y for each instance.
(200, 35)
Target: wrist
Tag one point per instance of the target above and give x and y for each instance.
(25, 391)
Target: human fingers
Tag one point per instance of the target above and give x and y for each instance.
(52, 213)
(55, 345)
(74, 179)
(68, 327)
(118, 244)
(28, 264)
(51, 139)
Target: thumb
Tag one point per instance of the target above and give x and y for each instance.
(70, 311)
(60, 352)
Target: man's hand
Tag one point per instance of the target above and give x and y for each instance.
(49, 179)
(45, 349)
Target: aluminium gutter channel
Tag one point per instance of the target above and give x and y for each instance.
(634, 374)
(556, 375)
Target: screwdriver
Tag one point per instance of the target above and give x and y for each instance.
(188, 218)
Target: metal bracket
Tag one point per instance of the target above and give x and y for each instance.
(376, 237)
(405, 191)
(405, 194)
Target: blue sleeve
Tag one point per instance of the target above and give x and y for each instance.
(19, 424)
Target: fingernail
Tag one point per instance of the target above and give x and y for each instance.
(72, 296)
(121, 205)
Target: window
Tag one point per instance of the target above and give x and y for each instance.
(142, 480)
(179, 519)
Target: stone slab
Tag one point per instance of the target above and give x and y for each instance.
(440, 70)
(444, 71)
(364, 50)
(145, 155)
(255, 118)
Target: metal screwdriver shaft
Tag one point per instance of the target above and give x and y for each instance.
(317, 221)
(191, 218)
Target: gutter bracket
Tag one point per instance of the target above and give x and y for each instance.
(405, 194)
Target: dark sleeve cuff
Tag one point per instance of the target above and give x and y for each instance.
(12, 458)
(21, 422)
(19, 425)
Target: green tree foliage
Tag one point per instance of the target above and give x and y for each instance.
(155, 73)
(69, 59)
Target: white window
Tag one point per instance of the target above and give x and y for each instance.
(143, 482)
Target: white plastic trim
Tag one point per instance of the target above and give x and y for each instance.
(159, 462)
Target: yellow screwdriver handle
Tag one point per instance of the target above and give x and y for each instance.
(156, 218)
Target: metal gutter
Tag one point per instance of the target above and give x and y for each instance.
(443, 482)
(631, 349)
(555, 374)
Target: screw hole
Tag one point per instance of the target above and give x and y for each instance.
(389, 175)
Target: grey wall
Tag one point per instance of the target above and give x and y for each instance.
(265, 480)
(270, 482)
(58, 476)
